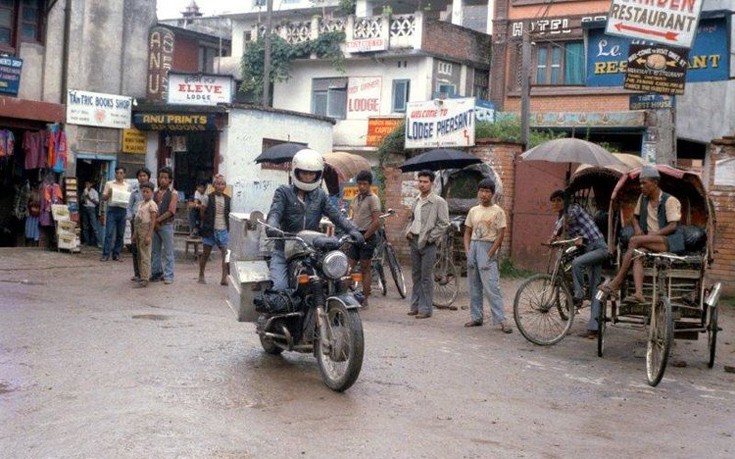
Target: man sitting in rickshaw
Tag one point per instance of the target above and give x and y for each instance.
(655, 228)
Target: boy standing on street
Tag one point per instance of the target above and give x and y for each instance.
(145, 216)
(215, 226)
(483, 236)
(365, 217)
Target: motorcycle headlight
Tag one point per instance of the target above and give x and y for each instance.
(335, 264)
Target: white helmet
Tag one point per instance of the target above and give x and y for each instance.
(307, 160)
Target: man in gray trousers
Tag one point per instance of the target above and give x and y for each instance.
(429, 220)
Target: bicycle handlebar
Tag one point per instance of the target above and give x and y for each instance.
(560, 242)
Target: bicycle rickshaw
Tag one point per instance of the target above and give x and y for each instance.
(679, 302)
(543, 308)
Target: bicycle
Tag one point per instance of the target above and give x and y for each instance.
(385, 252)
(543, 307)
(446, 272)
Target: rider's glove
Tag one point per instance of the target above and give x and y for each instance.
(272, 232)
(357, 237)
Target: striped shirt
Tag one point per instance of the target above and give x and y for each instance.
(578, 223)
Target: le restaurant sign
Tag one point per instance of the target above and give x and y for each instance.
(186, 122)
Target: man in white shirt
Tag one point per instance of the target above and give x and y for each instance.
(117, 195)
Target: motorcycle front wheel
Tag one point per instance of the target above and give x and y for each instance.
(340, 362)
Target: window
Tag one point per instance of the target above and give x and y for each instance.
(481, 84)
(329, 97)
(560, 63)
(444, 91)
(401, 89)
(20, 21)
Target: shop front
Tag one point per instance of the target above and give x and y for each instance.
(33, 160)
(187, 139)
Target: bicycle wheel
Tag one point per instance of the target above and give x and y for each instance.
(601, 328)
(712, 336)
(395, 270)
(660, 334)
(446, 283)
(379, 277)
(537, 310)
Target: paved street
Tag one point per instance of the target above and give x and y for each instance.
(90, 368)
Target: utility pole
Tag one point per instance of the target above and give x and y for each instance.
(267, 56)
(525, 85)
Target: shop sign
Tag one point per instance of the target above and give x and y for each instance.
(133, 142)
(99, 110)
(175, 122)
(349, 192)
(367, 45)
(659, 69)
(709, 58)
(671, 22)
(651, 102)
(440, 123)
(379, 128)
(587, 119)
(10, 71)
(363, 97)
(199, 89)
(160, 60)
(485, 111)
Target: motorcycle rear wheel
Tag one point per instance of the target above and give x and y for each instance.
(340, 366)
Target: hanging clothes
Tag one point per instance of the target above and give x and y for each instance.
(34, 146)
(20, 204)
(7, 143)
(50, 194)
(57, 148)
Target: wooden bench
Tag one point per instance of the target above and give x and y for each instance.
(196, 242)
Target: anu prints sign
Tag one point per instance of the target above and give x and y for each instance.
(440, 123)
(671, 22)
(363, 97)
(199, 89)
(100, 110)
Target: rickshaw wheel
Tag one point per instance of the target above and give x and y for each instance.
(537, 310)
(660, 335)
(601, 328)
(712, 337)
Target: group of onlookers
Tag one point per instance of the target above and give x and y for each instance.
(151, 212)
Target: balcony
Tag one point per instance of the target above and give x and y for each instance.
(394, 34)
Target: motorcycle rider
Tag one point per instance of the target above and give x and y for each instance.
(300, 206)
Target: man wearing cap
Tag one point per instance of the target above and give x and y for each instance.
(655, 228)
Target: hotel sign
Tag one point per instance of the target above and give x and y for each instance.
(199, 89)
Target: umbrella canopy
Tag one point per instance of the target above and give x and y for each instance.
(346, 165)
(281, 153)
(438, 159)
(571, 150)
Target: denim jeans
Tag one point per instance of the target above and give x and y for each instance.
(484, 281)
(194, 220)
(115, 224)
(594, 254)
(422, 273)
(162, 258)
(90, 226)
(279, 270)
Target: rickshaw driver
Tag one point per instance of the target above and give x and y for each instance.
(300, 206)
(579, 225)
(655, 228)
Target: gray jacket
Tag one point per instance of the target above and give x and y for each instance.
(434, 220)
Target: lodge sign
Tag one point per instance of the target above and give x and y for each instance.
(199, 89)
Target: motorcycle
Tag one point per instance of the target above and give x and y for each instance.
(319, 313)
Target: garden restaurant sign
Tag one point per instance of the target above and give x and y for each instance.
(440, 123)
(671, 22)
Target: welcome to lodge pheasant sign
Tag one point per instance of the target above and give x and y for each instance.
(671, 22)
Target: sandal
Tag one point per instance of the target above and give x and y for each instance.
(473, 323)
(505, 328)
(609, 290)
(632, 299)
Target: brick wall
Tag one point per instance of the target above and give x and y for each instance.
(723, 198)
(572, 103)
(400, 189)
(446, 39)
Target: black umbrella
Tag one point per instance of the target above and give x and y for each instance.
(281, 153)
(438, 159)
